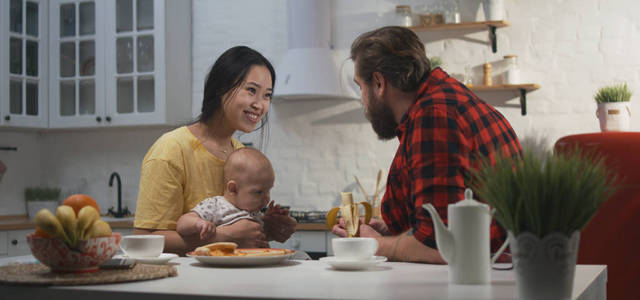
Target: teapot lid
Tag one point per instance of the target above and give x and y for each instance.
(469, 201)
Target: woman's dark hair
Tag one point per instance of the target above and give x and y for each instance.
(396, 52)
(227, 73)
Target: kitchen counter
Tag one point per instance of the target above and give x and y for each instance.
(22, 222)
(304, 280)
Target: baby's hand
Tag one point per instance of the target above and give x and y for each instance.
(207, 229)
(273, 208)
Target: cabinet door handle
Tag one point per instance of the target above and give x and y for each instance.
(98, 119)
(7, 118)
(108, 118)
(14, 242)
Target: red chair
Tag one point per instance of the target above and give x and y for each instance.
(612, 237)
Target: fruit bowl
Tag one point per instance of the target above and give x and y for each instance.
(89, 255)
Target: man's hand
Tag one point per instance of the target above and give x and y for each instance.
(278, 225)
(375, 228)
(206, 228)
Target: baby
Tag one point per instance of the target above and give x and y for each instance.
(248, 178)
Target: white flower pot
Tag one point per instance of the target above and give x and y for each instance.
(33, 207)
(493, 10)
(544, 268)
(614, 116)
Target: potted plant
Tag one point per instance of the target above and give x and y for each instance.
(38, 198)
(435, 61)
(543, 200)
(613, 107)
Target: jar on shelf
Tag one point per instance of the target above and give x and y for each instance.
(487, 74)
(452, 12)
(403, 16)
(511, 74)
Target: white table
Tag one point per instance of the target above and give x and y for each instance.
(304, 280)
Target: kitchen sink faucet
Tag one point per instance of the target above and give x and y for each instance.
(120, 212)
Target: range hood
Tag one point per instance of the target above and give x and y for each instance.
(308, 69)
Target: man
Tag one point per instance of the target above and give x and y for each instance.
(442, 128)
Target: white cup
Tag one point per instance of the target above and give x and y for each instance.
(142, 245)
(355, 248)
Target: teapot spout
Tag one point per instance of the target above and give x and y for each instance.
(444, 236)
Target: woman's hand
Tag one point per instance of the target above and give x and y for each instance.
(245, 233)
(278, 225)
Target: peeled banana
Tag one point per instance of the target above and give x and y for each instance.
(350, 214)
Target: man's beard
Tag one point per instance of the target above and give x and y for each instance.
(381, 118)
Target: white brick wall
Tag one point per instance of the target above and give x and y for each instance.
(569, 47)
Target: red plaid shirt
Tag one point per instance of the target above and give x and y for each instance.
(439, 136)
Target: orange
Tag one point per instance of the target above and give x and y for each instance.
(78, 201)
(41, 233)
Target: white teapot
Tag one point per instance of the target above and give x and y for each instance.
(465, 244)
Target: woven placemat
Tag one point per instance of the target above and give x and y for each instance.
(38, 274)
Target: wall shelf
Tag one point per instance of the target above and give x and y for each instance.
(491, 25)
(523, 88)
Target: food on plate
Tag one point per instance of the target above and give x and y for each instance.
(217, 249)
(350, 214)
(231, 249)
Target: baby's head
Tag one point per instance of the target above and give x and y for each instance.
(248, 178)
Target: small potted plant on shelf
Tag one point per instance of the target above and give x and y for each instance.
(436, 61)
(544, 200)
(613, 107)
(38, 198)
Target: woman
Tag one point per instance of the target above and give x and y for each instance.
(184, 166)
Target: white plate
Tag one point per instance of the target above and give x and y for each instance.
(341, 264)
(242, 260)
(160, 260)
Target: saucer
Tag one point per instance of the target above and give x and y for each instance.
(342, 264)
(160, 260)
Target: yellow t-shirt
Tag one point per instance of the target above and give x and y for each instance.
(177, 173)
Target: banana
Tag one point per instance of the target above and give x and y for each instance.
(99, 228)
(50, 224)
(350, 214)
(67, 217)
(86, 216)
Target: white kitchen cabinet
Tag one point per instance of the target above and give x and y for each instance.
(4, 245)
(308, 241)
(14, 242)
(122, 62)
(24, 63)
(330, 236)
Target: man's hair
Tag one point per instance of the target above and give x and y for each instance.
(396, 52)
(243, 160)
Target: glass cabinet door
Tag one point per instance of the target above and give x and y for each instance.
(24, 63)
(133, 60)
(77, 72)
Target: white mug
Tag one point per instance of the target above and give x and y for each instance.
(142, 245)
(354, 248)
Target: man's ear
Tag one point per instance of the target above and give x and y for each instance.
(232, 187)
(379, 84)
